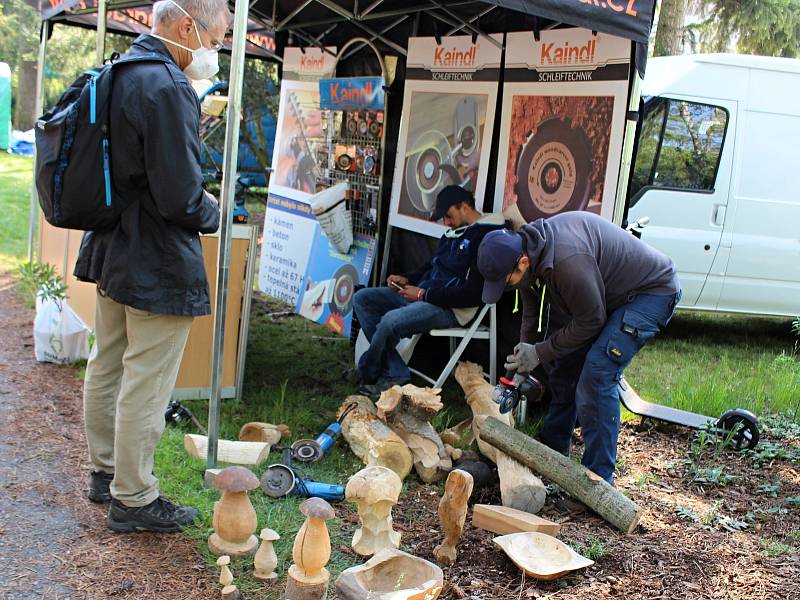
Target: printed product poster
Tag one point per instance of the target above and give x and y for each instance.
(289, 232)
(299, 130)
(446, 127)
(327, 290)
(564, 101)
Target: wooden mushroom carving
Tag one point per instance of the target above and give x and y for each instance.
(375, 490)
(234, 519)
(453, 513)
(307, 577)
(225, 575)
(266, 560)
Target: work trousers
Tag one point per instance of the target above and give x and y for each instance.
(129, 381)
(386, 318)
(583, 384)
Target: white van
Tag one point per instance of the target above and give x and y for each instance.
(717, 171)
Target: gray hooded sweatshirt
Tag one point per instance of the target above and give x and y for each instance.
(590, 267)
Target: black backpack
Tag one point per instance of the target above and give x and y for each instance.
(73, 152)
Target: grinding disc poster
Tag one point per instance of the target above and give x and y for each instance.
(562, 125)
(446, 125)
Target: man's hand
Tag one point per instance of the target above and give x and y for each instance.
(395, 281)
(412, 293)
(524, 360)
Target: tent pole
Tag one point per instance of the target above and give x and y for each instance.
(627, 148)
(229, 164)
(39, 108)
(102, 16)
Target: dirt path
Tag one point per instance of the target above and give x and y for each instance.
(53, 542)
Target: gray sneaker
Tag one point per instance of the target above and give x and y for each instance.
(160, 516)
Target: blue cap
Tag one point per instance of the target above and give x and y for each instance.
(450, 196)
(498, 253)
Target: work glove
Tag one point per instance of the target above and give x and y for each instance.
(524, 360)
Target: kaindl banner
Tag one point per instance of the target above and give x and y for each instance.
(352, 93)
(289, 226)
(630, 19)
(446, 129)
(564, 102)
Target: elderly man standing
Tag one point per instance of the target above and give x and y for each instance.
(149, 271)
(615, 293)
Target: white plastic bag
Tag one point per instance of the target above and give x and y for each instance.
(59, 335)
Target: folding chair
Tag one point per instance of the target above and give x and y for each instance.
(476, 331)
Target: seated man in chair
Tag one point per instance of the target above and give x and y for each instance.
(444, 292)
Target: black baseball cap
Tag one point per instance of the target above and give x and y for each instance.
(497, 255)
(450, 196)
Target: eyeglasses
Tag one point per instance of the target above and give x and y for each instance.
(216, 45)
(516, 269)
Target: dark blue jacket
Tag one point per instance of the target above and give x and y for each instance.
(451, 278)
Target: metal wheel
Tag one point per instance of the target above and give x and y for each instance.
(740, 428)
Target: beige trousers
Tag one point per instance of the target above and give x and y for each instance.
(129, 381)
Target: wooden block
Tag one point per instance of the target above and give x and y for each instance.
(228, 451)
(504, 520)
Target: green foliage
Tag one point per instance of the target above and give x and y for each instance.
(770, 489)
(773, 548)
(713, 519)
(712, 476)
(15, 193)
(766, 27)
(19, 30)
(593, 549)
(42, 279)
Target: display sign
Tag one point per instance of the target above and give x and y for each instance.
(446, 129)
(326, 294)
(352, 93)
(563, 110)
(289, 233)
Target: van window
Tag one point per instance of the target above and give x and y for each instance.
(680, 144)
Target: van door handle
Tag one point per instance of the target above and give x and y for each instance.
(718, 216)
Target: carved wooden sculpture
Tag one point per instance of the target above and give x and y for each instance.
(452, 513)
(225, 575)
(375, 490)
(407, 410)
(371, 439)
(540, 555)
(234, 519)
(265, 559)
(391, 575)
(504, 520)
(264, 432)
(519, 487)
(308, 578)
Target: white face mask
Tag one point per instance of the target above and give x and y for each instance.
(205, 62)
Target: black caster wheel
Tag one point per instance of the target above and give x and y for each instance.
(740, 428)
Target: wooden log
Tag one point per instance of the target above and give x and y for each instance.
(371, 439)
(230, 592)
(504, 520)
(452, 514)
(264, 432)
(407, 410)
(228, 451)
(576, 480)
(520, 488)
(455, 434)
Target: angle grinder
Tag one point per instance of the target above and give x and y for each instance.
(281, 480)
(515, 387)
(310, 451)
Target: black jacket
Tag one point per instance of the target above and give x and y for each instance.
(152, 260)
(590, 267)
(451, 278)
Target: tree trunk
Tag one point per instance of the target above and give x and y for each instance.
(670, 29)
(25, 109)
(576, 480)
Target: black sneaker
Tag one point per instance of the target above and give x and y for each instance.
(352, 376)
(377, 388)
(161, 516)
(100, 486)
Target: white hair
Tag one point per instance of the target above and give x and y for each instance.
(212, 13)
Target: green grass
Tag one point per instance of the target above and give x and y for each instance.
(711, 363)
(16, 173)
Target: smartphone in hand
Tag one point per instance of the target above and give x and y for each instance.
(396, 285)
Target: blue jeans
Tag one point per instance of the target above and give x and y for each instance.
(584, 383)
(386, 318)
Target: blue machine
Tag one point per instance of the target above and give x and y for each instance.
(310, 451)
(281, 480)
